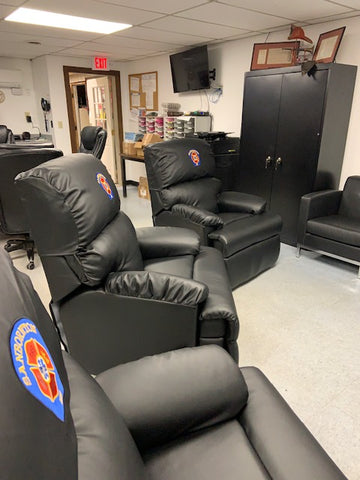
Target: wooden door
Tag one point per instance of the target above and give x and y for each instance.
(297, 145)
(258, 134)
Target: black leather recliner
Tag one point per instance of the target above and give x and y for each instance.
(185, 193)
(118, 294)
(93, 140)
(13, 220)
(188, 414)
(329, 222)
(6, 135)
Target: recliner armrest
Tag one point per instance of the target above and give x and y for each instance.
(241, 202)
(198, 215)
(157, 286)
(190, 389)
(317, 204)
(156, 242)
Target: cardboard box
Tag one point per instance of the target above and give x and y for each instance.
(143, 188)
(129, 148)
(147, 140)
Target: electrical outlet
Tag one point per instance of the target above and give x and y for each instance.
(28, 117)
(60, 124)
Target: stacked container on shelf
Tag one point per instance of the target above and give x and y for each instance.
(159, 126)
(169, 128)
(142, 124)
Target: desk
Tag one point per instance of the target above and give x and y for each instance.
(131, 158)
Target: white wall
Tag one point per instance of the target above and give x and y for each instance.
(231, 60)
(12, 110)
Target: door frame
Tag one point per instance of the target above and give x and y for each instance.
(114, 73)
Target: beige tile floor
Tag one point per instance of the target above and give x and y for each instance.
(300, 324)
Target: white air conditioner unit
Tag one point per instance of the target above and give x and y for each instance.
(10, 78)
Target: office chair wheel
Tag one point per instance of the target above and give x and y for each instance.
(30, 266)
(7, 247)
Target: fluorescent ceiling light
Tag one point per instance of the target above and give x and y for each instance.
(58, 20)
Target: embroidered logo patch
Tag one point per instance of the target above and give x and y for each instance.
(35, 367)
(104, 184)
(195, 157)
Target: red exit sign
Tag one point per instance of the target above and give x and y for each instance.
(100, 63)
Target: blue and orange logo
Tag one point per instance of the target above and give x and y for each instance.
(104, 184)
(194, 157)
(35, 367)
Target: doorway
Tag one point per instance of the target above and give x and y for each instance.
(95, 99)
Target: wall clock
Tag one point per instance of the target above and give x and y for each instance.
(2, 96)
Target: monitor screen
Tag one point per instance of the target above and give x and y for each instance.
(190, 70)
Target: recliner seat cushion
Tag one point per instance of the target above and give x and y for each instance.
(336, 227)
(237, 235)
(181, 266)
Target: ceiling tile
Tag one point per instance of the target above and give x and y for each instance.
(350, 3)
(353, 13)
(184, 25)
(20, 50)
(119, 41)
(7, 37)
(168, 6)
(93, 9)
(162, 36)
(5, 10)
(291, 9)
(234, 17)
(16, 3)
(37, 30)
(93, 48)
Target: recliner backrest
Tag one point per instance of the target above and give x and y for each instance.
(78, 228)
(181, 171)
(350, 200)
(6, 135)
(13, 218)
(93, 140)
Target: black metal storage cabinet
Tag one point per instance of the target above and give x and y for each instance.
(293, 135)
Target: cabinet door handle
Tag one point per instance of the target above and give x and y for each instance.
(267, 162)
(278, 163)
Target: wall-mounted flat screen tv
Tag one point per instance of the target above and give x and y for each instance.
(190, 70)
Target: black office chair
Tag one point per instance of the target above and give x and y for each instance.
(13, 220)
(6, 135)
(184, 415)
(93, 140)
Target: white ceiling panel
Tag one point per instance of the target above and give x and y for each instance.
(162, 36)
(234, 17)
(93, 9)
(117, 40)
(353, 13)
(48, 41)
(16, 3)
(20, 50)
(5, 10)
(290, 9)
(350, 3)
(161, 6)
(97, 48)
(184, 25)
(36, 30)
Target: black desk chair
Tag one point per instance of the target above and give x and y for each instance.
(13, 220)
(93, 140)
(6, 135)
(184, 415)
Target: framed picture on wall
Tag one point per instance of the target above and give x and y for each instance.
(328, 45)
(274, 55)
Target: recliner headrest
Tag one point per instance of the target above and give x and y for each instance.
(35, 418)
(76, 197)
(88, 136)
(4, 133)
(177, 161)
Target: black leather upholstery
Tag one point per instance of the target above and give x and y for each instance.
(188, 414)
(329, 222)
(6, 135)
(185, 193)
(13, 219)
(93, 140)
(132, 293)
